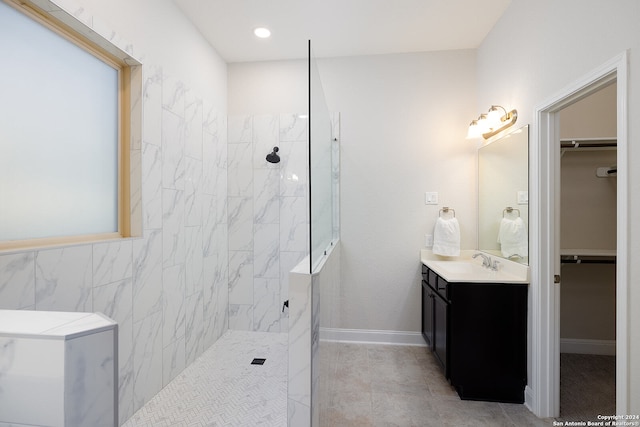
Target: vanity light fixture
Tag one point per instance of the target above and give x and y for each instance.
(477, 127)
(262, 32)
(492, 123)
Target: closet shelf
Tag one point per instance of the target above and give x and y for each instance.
(587, 256)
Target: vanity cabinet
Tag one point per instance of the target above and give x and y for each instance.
(427, 314)
(478, 333)
(440, 326)
(434, 323)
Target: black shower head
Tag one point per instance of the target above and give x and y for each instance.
(273, 156)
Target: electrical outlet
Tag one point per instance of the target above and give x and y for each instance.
(428, 240)
(431, 198)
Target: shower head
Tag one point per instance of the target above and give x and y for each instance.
(273, 156)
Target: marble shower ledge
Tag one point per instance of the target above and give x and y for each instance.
(58, 369)
(52, 324)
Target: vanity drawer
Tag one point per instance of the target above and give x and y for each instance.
(442, 288)
(442, 285)
(436, 282)
(433, 279)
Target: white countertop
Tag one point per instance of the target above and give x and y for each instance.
(466, 269)
(51, 324)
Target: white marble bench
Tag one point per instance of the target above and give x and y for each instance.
(58, 369)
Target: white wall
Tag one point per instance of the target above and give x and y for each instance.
(403, 123)
(268, 87)
(536, 50)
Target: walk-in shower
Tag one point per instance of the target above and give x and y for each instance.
(283, 218)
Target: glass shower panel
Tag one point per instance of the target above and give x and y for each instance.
(320, 167)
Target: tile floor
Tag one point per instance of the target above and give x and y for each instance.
(375, 385)
(223, 388)
(362, 385)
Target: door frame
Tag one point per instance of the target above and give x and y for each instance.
(543, 392)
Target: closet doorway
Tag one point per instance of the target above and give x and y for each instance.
(543, 394)
(588, 211)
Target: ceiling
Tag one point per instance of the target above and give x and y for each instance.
(340, 27)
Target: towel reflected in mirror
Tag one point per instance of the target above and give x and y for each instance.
(512, 237)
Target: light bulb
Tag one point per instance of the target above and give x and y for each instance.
(483, 124)
(494, 117)
(474, 130)
(262, 32)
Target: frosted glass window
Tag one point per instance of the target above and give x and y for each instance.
(59, 136)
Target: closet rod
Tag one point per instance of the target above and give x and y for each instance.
(589, 143)
(581, 259)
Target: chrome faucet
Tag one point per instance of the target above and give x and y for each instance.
(486, 261)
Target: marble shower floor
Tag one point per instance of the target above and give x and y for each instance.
(223, 388)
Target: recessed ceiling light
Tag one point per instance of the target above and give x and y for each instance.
(262, 32)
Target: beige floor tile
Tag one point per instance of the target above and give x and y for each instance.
(406, 387)
(334, 418)
(520, 416)
(350, 405)
(402, 409)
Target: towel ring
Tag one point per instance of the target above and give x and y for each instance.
(445, 210)
(509, 209)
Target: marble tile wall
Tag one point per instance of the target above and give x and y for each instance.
(308, 292)
(267, 216)
(168, 289)
(299, 397)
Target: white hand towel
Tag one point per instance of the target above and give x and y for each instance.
(446, 237)
(512, 237)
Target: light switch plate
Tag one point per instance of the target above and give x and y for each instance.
(431, 198)
(523, 197)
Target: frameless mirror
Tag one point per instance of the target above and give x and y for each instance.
(503, 196)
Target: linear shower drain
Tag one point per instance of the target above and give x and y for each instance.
(258, 361)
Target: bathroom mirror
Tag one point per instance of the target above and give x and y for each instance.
(503, 196)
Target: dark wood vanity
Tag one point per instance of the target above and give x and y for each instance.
(478, 333)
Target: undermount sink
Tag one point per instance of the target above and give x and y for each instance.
(466, 269)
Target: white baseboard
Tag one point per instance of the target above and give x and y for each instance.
(529, 398)
(581, 346)
(367, 336)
